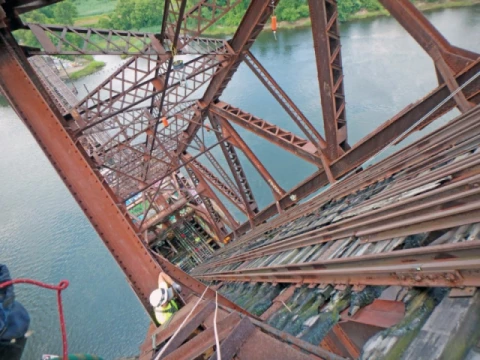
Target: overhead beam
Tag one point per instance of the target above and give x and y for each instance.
(91, 41)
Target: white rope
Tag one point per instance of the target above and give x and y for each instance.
(181, 326)
(217, 341)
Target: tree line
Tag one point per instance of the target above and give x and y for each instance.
(139, 14)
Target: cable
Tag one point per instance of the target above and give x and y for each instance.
(217, 341)
(62, 285)
(181, 325)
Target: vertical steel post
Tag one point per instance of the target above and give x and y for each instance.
(326, 42)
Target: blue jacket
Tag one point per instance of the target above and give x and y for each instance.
(14, 319)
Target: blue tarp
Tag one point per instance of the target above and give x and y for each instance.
(14, 319)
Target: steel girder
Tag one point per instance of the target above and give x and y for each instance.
(317, 180)
(236, 140)
(288, 141)
(326, 42)
(389, 132)
(84, 41)
(218, 184)
(206, 195)
(216, 165)
(230, 154)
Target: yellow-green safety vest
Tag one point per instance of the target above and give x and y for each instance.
(163, 314)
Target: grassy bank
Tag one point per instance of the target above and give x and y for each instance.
(91, 68)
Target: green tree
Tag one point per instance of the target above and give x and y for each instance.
(65, 12)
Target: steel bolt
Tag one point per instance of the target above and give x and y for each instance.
(449, 277)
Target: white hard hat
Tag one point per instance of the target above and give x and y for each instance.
(160, 296)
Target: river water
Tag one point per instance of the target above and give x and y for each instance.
(44, 235)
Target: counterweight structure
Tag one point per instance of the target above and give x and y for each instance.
(133, 153)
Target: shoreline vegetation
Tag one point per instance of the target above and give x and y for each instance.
(141, 15)
(359, 15)
(91, 68)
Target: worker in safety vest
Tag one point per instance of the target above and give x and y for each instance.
(162, 299)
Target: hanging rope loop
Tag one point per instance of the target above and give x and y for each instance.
(62, 285)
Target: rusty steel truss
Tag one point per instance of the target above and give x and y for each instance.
(141, 134)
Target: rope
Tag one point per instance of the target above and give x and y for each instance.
(181, 325)
(217, 341)
(62, 285)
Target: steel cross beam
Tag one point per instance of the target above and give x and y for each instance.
(427, 36)
(29, 99)
(284, 139)
(326, 42)
(237, 141)
(202, 69)
(284, 100)
(99, 100)
(205, 193)
(217, 167)
(205, 190)
(239, 175)
(217, 183)
(114, 42)
(448, 59)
